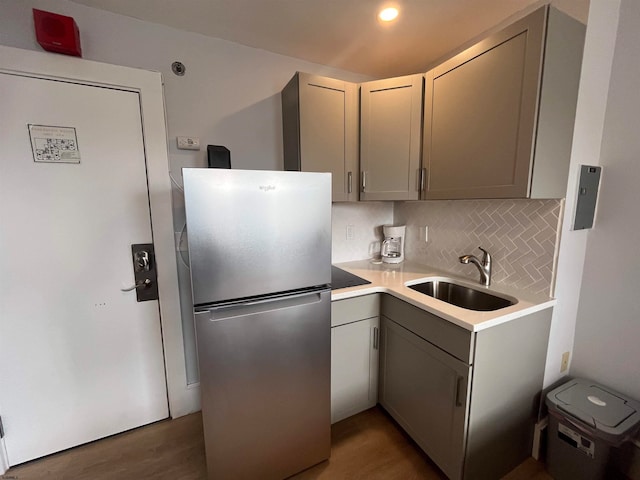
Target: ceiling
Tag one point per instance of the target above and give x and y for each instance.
(340, 33)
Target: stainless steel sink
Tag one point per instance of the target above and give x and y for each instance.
(462, 296)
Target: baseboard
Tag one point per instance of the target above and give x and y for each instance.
(4, 460)
(538, 430)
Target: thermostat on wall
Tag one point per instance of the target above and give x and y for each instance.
(188, 143)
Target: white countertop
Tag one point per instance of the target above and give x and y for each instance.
(391, 279)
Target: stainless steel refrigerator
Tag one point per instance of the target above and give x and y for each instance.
(260, 258)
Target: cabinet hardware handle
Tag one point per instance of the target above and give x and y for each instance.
(423, 178)
(376, 338)
(459, 389)
(364, 181)
(349, 182)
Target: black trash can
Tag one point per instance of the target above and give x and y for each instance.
(586, 420)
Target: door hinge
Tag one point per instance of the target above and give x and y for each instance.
(1, 429)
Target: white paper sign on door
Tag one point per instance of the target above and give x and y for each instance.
(52, 144)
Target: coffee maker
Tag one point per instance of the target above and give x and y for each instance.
(393, 245)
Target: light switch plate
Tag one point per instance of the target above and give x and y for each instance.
(350, 232)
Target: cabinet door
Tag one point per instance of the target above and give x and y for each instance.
(480, 115)
(390, 138)
(354, 368)
(320, 130)
(425, 390)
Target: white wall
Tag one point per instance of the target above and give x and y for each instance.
(607, 338)
(587, 136)
(229, 96)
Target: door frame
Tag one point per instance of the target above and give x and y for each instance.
(149, 86)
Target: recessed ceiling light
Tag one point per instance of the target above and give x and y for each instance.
(388, 14)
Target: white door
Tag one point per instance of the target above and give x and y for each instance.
(79, 358)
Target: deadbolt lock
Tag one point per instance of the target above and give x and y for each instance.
(144, 271)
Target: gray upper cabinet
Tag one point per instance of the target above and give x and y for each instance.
(390, 138)
(320, 130)
(499, 116)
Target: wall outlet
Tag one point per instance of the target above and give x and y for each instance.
(350, 232)
(565, 362)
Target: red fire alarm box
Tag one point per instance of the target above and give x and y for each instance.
(57, 33)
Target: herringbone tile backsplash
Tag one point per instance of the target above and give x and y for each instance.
(521, 236)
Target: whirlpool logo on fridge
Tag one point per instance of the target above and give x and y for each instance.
(267, 188)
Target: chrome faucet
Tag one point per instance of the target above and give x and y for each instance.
(483, 265)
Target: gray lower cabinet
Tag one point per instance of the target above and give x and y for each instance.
(354, 355)
(425, 390)
(467, 399)
(320, 130)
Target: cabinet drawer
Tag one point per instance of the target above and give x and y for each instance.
(354, 309)
(451, 338)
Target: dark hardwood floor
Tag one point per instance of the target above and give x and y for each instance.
(366, 446)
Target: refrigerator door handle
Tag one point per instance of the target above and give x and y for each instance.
(265, 305)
